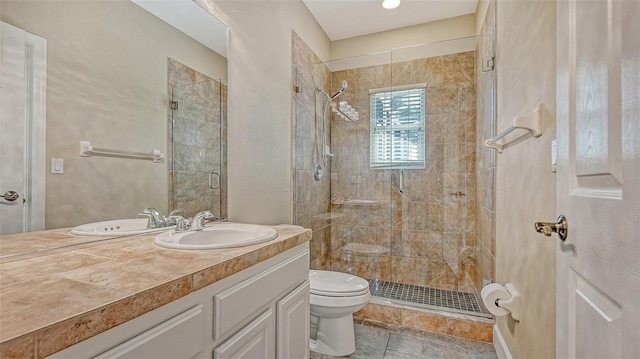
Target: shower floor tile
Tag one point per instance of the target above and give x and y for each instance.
(415, 294)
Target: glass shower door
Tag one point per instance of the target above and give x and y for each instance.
(198, 142)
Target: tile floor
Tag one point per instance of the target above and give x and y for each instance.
(374, 341)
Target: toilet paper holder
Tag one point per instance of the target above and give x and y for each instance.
(502, 300)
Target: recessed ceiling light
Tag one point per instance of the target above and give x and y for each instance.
(390, 4)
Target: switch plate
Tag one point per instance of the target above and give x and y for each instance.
(57, 166)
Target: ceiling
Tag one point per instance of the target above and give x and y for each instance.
(342, 19)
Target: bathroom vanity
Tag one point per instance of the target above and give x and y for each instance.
(244, 302)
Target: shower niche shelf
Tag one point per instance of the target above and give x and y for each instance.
(363, 248)
(327, 216)
(356, 202)
(531, 122)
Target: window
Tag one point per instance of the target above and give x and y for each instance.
(398, 128)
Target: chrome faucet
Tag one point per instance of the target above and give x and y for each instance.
(155, 218)
(194, 224)
(171, 219)
(198, 221)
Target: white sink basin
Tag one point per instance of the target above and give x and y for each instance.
(218, 235)
(116, 227)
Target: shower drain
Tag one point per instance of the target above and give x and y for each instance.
(463, 301)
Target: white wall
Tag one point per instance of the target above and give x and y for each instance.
(525, 185)
(453, 28)
(481, 13)
(260, 84)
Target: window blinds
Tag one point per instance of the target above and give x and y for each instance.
(398, 129)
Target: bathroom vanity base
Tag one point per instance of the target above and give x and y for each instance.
(262, 310)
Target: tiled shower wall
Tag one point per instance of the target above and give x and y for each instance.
(311, 197)
(197, 135)
(486, 157)
(424, 236)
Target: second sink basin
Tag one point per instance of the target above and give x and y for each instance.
(218, 235)
(116, 227)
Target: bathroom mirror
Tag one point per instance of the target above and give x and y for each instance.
(112, 69)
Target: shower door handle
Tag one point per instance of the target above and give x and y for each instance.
(211, 174)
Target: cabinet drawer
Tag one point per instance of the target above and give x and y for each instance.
(235, 306)
(160, 341)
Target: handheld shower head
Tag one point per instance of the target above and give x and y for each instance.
(343, 87)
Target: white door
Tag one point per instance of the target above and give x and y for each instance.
(598, 183)
(22, 129)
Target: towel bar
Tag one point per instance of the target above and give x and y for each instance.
(530, 122)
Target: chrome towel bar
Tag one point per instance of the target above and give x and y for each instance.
(87, 150)
(530, 122)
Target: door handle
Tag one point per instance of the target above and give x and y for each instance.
(211, 180)
(560, 227)
(10, 196)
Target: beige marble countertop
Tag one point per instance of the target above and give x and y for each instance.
(55, 299)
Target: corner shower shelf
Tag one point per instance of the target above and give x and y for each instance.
(363, 248)
(530, 122)
(87, 150)
(356, 202)
(328, 216)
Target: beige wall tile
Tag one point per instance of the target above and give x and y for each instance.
(424, 321)
(427, 70)
(380, 313)
(471, 330)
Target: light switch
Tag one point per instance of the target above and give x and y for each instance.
(57, 166)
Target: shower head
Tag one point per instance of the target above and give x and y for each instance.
(343, 87)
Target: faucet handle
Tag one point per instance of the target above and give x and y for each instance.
(174, 212)
(181, 224)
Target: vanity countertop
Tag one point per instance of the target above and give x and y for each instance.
(50, 302)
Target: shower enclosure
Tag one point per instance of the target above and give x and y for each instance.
(400, 207)
(197, 138)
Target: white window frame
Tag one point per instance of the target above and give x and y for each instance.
(384, 153)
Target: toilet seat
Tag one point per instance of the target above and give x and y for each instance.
(342, 294)
(337, 284)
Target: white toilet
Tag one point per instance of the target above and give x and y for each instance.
(335, 296)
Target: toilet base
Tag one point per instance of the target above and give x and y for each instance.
(335, 336)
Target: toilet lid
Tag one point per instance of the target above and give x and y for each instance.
(336, 284)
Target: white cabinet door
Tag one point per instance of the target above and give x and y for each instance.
(293, 324)
(256, 340)
(178, 337)
(598, 183)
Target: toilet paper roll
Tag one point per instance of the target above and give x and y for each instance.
(492, 292)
